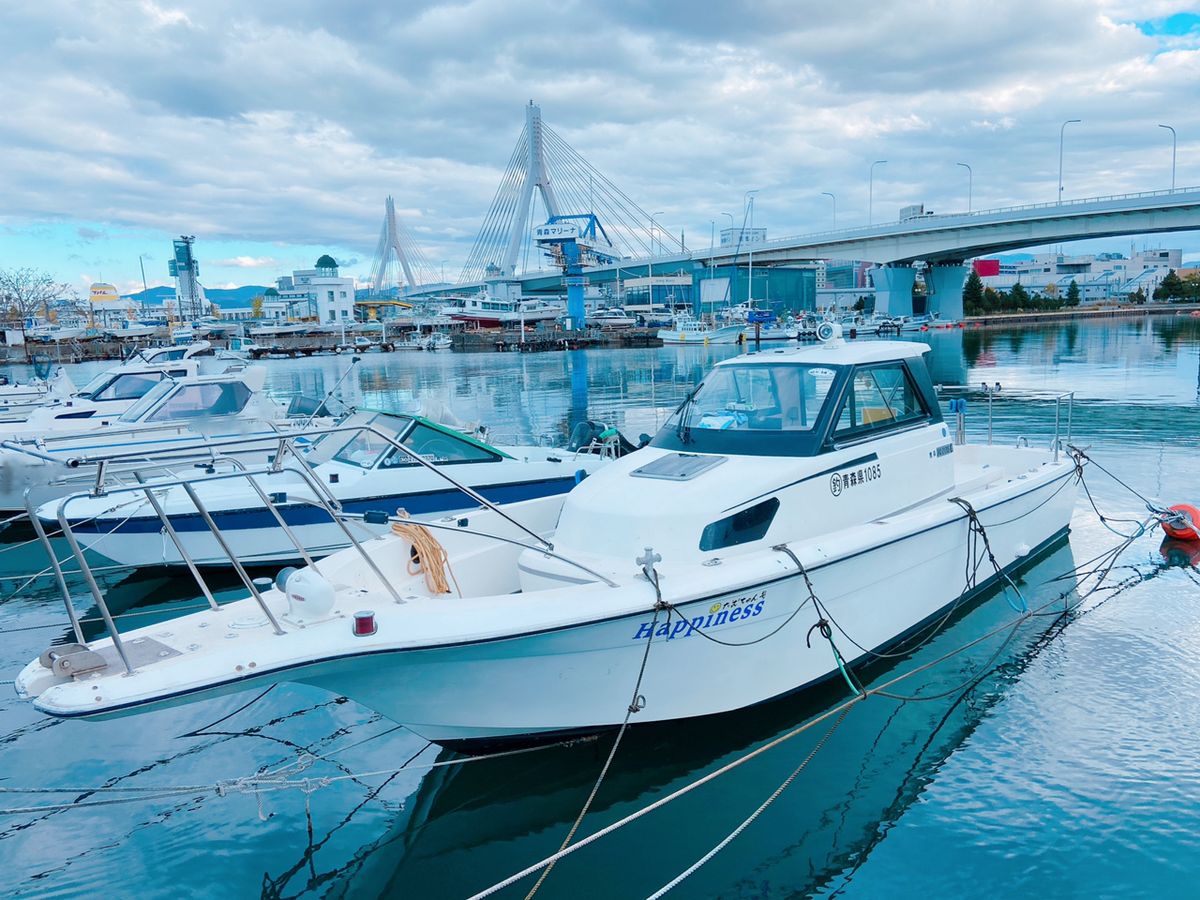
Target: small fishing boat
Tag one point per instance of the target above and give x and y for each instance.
(687, 330)
(438, 341)
(359, 466)
(808, 491)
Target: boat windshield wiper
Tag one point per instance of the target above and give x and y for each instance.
(683, 430)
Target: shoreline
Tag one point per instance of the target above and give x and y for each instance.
(1084, 313)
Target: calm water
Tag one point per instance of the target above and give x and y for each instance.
(1071, 770)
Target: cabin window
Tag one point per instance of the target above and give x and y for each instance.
(196, 400)
(878, 398)
(438, 447)
(759, 398)
(132, 386)
(750, 524)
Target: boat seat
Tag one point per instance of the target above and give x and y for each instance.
(873, 414)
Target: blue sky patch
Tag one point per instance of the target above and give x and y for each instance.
(1172, 26)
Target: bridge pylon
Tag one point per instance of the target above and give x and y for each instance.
(397, 248)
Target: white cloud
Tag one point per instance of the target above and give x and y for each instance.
(247, 262)
(277, 122)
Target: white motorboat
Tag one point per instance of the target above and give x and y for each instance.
(18, 400)
(610, 317)
(438, 341)
(687, 330)
(485, 311)
(65, 329)
(241, 348)
(176, 412)
(103, 399)
(359, 466)
(682, 568)
(131, 329)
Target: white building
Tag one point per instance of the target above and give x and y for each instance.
(1104, 276)
(313, 293)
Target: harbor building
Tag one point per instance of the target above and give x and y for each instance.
(318, 293)
(1100, 277)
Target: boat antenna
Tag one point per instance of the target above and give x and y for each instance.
(354, 360)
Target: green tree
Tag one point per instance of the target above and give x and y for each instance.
(860, 304)
(1019, 296)
(1138, 296)
(1170, 288)
(1073, 294)
(973, 294)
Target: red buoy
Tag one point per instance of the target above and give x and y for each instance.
(1184, 529)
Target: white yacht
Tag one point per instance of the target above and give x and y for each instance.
(682, 568)
(359, 465)
(687, 330)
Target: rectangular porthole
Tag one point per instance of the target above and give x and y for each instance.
(742, 527)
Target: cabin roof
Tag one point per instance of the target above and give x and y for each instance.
(842, 353)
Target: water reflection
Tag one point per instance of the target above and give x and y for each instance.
(469, 826)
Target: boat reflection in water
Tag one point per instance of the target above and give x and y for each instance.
(470, 826)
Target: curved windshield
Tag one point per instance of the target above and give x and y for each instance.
(758, 408)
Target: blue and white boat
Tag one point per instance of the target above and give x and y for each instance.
(360, 469)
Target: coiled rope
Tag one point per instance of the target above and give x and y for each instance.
(426, 556)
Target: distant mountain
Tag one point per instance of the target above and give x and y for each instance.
(224, 297)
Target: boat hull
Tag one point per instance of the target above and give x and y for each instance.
(257, 539)
(528, 687)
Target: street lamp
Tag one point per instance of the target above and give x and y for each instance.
(748, 211)
(1060, 153)
(834, 199)
(970, 179)
(1172, 130)
(650, 263)
(871, 192)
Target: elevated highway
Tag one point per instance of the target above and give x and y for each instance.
(941, 242)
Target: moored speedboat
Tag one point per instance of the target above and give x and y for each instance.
(686, 561)
(358, 466)
(174, 413)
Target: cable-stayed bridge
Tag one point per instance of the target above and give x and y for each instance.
(567, 184)
(544, 167)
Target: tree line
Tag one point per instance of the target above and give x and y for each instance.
(979, 300)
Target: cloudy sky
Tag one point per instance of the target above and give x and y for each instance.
(273, 129)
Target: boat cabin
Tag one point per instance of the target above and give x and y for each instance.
(778, 445)
(208, 396)
(366, 450)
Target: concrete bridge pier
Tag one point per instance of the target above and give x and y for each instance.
(944, 283)
(893, 289)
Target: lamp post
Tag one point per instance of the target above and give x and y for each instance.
(1060, 154)
(871, 192)
(1172, 130)
(970, 180)
(650, 263)
(834, 199)
(748, 211)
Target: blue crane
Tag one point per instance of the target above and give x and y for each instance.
(573, 243)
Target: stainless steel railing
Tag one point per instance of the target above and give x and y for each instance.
(322, 498)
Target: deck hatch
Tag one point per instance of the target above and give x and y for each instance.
(678, 466)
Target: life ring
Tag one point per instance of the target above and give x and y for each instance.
(1183, 531)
